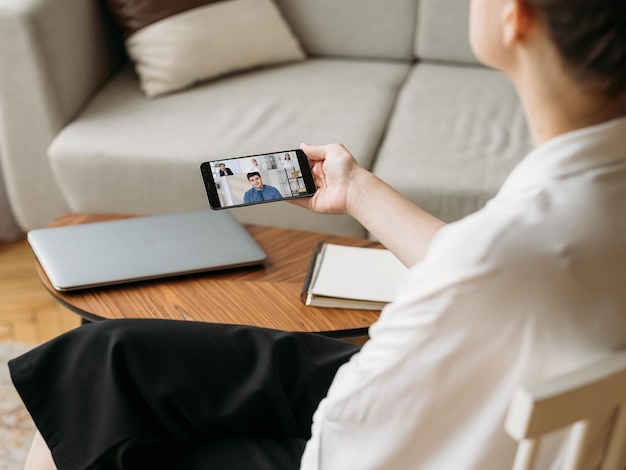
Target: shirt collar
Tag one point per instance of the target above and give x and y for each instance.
(568, 153)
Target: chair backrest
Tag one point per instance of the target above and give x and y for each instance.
(573, 401)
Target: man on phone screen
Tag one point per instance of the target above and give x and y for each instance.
(259, 192)
(224, 170)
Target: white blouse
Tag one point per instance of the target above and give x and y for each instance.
(530, 286)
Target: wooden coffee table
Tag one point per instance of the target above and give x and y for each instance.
(266, 296)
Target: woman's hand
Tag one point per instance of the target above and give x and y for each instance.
(335, 172)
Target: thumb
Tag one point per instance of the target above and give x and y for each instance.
(314, 152)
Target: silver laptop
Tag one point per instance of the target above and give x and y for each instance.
(120, 251)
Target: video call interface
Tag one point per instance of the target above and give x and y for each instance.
(258, 178)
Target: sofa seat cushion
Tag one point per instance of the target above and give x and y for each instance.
(455, 134)
(127, 153)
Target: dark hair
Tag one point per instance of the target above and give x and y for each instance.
(591, 37)
(253, 173)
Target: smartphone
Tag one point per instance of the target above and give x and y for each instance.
(257, 179)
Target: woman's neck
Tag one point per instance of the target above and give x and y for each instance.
(567, 110)
(556, 103)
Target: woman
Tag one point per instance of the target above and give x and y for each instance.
(530, 286)
(254, 166)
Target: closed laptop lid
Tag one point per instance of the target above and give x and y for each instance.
(125, 250)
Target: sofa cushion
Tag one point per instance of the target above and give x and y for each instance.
(150, 150)
(174, 49)
(374, 29)
(455, 134)
(443, 31)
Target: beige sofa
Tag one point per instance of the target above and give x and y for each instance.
(395, 81)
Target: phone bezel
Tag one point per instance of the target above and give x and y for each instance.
(210, 186)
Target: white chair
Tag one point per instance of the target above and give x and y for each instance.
(572, 400)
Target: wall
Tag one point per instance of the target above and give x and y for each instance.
(8, 227)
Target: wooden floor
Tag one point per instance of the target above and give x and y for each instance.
(27, 312)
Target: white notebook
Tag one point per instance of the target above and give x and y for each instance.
(352, 277)
(126, 250)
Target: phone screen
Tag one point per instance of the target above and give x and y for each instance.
(257, 179)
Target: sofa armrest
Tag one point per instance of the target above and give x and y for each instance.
(54, 54)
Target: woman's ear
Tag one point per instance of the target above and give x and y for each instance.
(517, 21)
